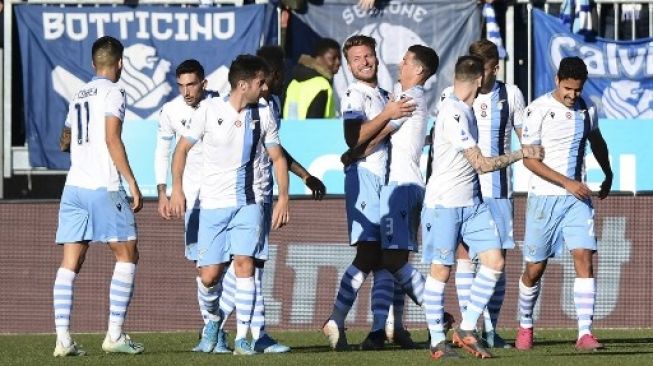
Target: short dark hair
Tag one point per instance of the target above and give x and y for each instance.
(245, 67)
(485, 50)
(324, 45)
(359, 40)
(274, 57)
(427, 57)
(190, 66)
(572, 68)
(106, 51)
(469, 68)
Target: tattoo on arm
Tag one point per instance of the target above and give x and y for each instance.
(484, 164)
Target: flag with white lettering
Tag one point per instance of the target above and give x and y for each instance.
(620, 72)
(449, 27)
(55, 47)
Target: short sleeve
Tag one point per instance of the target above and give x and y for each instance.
(517, 107)
(115, 103)
(270, 126)
(532, 125)
(165, 130)
(456, 130)
(197, 124)
(353, 106)
(594, 118)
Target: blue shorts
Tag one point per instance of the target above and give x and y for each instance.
(362, 192)
(443, 228)
(552, 220)
(502, 213)
(263, 247)
(94, 215)
(191, 227)
(401, 206)
(227, 231)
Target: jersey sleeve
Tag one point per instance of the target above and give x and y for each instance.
(197, 124)
(444, 95)
(270, 126)
(164, 137)
(532, 125)
(115, 103)
(594, 118)
(517, 107)
(353, 106)
(456, 130)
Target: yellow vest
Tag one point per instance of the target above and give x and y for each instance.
(300, 94)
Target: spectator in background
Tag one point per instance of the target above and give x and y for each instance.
(310, 93)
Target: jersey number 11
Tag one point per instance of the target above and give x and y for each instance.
(80, 127)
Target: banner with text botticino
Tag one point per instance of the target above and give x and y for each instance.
(55, 48)
(620, 72)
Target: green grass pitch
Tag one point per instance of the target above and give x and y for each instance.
(552, 347)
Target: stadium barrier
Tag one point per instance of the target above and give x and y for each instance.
(301, 278)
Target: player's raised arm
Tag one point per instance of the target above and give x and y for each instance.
(119, 157)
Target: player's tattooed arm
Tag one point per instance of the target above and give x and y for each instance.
(64, 139)
(484, 164)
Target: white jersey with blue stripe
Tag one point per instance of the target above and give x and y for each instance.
(91, 165)
(497, 114)
(406, 142)
(563, 133)
(263, 166)
(362, 103)
(174, 119)
(454, 182)
(231, 144)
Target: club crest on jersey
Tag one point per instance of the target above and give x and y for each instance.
(528, 112)
(403, 213)
(363, 204)
(348, 92)
(183, 122)
(237, 123)
(119, 206)
(220, 121)
(456, 117)
(428, 227)
(552, 114)
(389, 237)
(483, 106)
(568, 115)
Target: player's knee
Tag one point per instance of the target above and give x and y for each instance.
(243, 266)
(492, 259)
(209, 278)
(440, 272)
(533, 273)
(583, 263)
